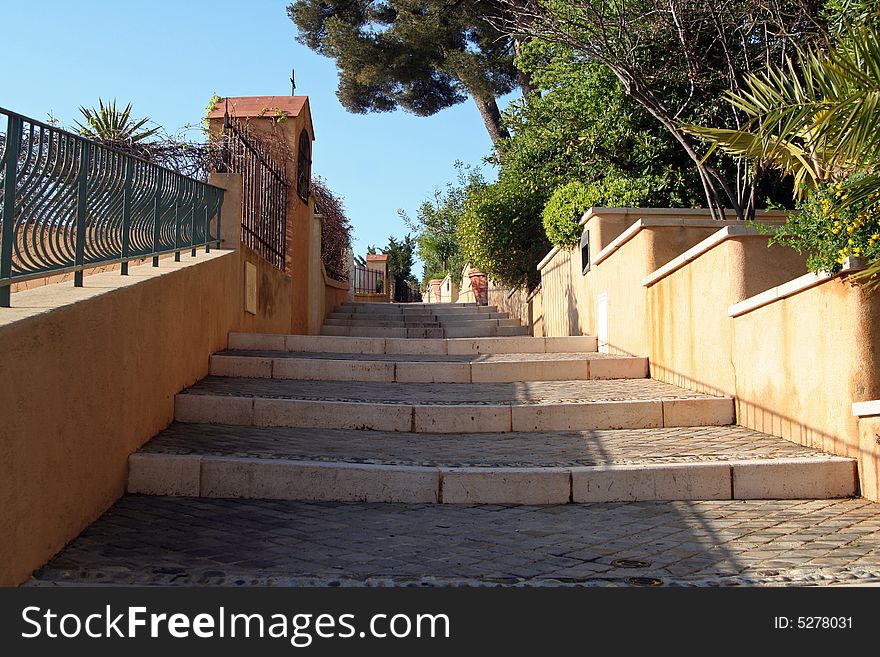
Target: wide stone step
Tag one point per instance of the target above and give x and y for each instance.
(710, 463)
(392, 323)
(450, 407)
(437, 308)
(384, 332)
(478, 330)
(414, 317)
(468, 368)
(421, 323)
(380, 345)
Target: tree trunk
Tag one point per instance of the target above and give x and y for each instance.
(491, 117)
(523, 79)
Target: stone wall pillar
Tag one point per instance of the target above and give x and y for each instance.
(480, 286)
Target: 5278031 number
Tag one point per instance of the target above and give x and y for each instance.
(824, 622)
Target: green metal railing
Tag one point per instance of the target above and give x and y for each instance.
(68, 203)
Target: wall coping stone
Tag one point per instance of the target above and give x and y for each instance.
(659, 222)
(866, 408)
(547, 258)
(764, 215)
(792, 287)
(38, 301)
(716, 238)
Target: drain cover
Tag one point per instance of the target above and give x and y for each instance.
(630, 563)
(644, 581)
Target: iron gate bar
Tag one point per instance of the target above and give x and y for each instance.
(69, 203)
(264, 191)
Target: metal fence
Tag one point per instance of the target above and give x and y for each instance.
(407, 292)
(368, 281)
(264, 190)
(68, 203)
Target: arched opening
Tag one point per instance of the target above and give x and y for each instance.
(304, 166)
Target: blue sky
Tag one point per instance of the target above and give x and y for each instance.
(169, 57)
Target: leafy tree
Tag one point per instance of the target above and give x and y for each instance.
(422, 56)
(436, 226)
(676, 59)
(401, 257)
(583, 126)
(582, 132)
(816, 117)
(501, 233)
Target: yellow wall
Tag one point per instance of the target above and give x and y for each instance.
(691, 335)
(570, 296)
(89, 374)
(335, 294)
(448, 290)
(795, 365)
(802, 361)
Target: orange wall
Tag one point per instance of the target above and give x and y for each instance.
(91, 374)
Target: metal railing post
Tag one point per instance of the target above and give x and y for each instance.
(7, 231)
(193, 240)
(157, 216)
(209, 196)
(82, 194)
(126, 215)
(177, 222)
(219, 212)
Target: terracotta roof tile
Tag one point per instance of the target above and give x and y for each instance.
(247, 106)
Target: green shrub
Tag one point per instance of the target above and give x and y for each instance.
(829, 230)
(563, 212)
(501, 233)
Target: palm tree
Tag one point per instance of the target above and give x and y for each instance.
(116, 128)
(816, 118)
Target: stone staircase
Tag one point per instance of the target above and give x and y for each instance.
(495, 420)
(420, 320)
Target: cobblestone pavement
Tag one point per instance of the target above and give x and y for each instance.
(422, 358)
(516, 449)
(533, 392)
(188, 541)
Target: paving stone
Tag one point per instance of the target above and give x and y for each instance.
(517, 449)
(296, 543)
(524, 393)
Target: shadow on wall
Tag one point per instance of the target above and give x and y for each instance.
(755, 416)
(572, 314)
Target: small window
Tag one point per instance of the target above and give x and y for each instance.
(304, 166)
(585, 252)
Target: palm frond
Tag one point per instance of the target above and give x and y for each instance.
(115, 127)
(819, 113)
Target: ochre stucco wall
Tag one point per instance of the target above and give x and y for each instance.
(519, 304)
(335, 294)
(565, 292)
(87, 375)
(569, 296)
(802, 361)
(691, 334)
